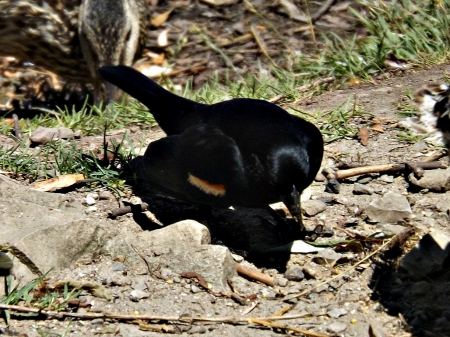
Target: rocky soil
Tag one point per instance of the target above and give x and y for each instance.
(176, 275)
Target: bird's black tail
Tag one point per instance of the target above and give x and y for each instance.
(173, 113)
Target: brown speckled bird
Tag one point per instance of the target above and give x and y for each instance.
(73, 38)
(434, 105)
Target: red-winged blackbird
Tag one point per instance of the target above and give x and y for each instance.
(241, 152)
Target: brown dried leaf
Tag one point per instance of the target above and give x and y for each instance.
(364, 136)
(161, 18)
(59, 182)
(377, 128)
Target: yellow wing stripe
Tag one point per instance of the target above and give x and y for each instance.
(214, 189)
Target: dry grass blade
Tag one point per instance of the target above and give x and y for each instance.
(377, 251)
(284, 327)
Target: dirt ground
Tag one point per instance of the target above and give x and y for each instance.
(355, 304)
(370, 300)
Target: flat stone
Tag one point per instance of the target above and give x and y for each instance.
(327, 257)
(359, 189)
(390, 208)
(333, 186)
(434, 180)
(336, 312)
(313, 207)
(337, 327)
(294, 273)
(181, 247)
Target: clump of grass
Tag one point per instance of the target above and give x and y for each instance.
(64, 157)
(34, 294)
(413, 31)
(92, 120)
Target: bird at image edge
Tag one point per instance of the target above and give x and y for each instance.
(241, 152)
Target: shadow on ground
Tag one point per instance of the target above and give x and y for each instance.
(419, 288)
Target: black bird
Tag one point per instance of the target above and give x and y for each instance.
(241, 152)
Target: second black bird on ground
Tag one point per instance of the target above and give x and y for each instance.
(241, 152)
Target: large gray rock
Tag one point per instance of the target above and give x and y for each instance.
(391, 208)
(49, 229)
(182, 247)
(53, 232)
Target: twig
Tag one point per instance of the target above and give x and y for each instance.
(128, 209)
(303, 293)
(305, 87)
(261, 44)
(254, 275)
(131, 318)
(17, 133)
(279, 326)
(343, 174)
(322, 10)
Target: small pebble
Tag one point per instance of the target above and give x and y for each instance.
(337, 327)
(90, 209)
(282, 282)
(294, 273)
(336, 312)
(365, 180)
(387, 179)
(195, 289)
(137, 295)
(118, 266)
(105, 195)
(333, 186)
(89, 200)
(362, 189)
(97, 321)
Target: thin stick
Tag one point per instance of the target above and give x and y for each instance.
(254, 275)
(125, 317)
(261, 44)
(279, 326)
(303, 293)
(306, 87)
(343, 174)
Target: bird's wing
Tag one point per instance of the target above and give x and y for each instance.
(196, 166)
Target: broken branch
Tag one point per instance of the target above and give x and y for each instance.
(254, 275)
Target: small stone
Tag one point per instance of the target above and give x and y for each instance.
(89, 200)
(237, 258)
(97, 321)
(389, 229)
(313, 207)
(281, 281)
(391, 208)
(336, 312)
(333, 186)
(327, 257)
(176, 279)
(359, 189)
(316, 271)
(5, 261)
(120, 258)
(166, 273)
(105, 195)
(118, 266)
(433, 180)
(267, 293)
(365, 180)
(195, 289)
(197, 329)
(294, 273)
(386, 178)
(337, 327)
(137, 295)
(90, 209)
